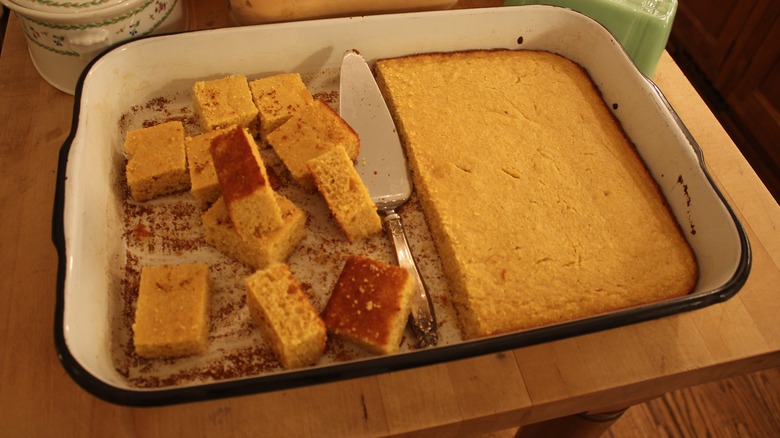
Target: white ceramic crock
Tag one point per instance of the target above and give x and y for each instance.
(64, 36)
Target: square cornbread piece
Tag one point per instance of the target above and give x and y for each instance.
(220, 103)
(156, 161)
(346, 195)
(310, 132)
(286, 318)
(172, 313)
(204, 184)
(540, 207)
(277, 98)
(263, 249)
(370, 303)
(250, 200)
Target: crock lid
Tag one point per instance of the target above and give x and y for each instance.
(68, 6)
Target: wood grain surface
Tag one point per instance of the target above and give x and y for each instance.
(600, 371)
(740, 406)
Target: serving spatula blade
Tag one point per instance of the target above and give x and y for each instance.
(382, 167)
(381, 163)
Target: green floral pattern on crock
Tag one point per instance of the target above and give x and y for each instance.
(71, 4)
(43, 36)
(97, 23)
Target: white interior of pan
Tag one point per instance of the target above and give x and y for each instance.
(141, 69)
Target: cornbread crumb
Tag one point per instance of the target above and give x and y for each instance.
(156, 161)
(310, 132)
(346, 195)
(541, 209)
(203, 177)
(171, 317)
(243, 180)
(369, 305)
(260, 250)
(277, 98)
(285, 316)
(220, 103)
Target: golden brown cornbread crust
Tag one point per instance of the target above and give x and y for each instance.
(243, 180)
(236, 161)
(369, 304)
(541, 209)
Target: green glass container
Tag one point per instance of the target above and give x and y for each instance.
(641, 26)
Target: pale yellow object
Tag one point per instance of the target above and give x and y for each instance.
(287, 320)
(277, 98)
(310, 132)
(540, 207)
(156, 161)
(204, 184)
(223, 102)
(346, 195)
(267, 11)
(172, 313)
(263, 249)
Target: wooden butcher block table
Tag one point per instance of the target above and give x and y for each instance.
(546, 384)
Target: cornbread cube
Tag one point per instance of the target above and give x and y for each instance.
(172, 313)
(220, 103)
(243, 180)
(346, 195)
(310, 132)
(370, 304)
(285, 316)
(277, 98)
(261, 250)
(204, 184)
(156, 161)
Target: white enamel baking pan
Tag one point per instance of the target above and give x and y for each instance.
(89, 215)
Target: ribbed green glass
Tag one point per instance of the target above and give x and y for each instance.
(641, 26)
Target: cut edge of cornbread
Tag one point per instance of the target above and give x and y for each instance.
(287, 320)
(310, 132)
(277, 98)
(204, 184)
(260, 250)
(345, 194)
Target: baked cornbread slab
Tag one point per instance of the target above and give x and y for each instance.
(260, 250)
(310, 132)
(277, 98)
(346, 195)
(156, 161)
(540, 207)
(223, 102)
(172, 314)
(285, 316)
(369, 304)
(243, 181)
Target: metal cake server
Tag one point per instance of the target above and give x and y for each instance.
(382, 166)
